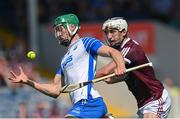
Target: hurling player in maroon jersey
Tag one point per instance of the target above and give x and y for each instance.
(152, 98)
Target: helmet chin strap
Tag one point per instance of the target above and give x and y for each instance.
(72, 33)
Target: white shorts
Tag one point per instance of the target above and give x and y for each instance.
(160, 107)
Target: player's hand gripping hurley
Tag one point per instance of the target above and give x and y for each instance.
(72, 87)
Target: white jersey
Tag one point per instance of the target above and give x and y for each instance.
(78, 65)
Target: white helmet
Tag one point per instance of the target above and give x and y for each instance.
(115, 22)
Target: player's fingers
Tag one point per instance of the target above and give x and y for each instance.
(119, 72)
(116, 72)
(21, 70)
(13, 74)
(10, 78)
(108, 80)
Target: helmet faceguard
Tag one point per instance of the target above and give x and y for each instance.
(66, 21)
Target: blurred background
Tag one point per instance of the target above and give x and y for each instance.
(27, 25)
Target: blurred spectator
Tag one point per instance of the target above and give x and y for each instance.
(3, 67)
(7, 13)
(17, 53)
(175, 15)
(40, 110)
(54, 111)
(43, 11)
(101, 9)
(173, 89)
(175, 96)
(3, 47)
(20, 18)
(23, 110)
(82, 11)
(89, 10)
(4, 70)
(161, 9)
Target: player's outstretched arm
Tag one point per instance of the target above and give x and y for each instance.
(116, 56)
(52, 89)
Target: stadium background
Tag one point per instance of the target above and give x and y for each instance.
(27, 25)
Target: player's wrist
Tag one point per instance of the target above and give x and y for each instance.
(30, 83)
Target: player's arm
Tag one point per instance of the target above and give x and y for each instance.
(118, 65)
(107, 69)
(97, 48)
(51, 89)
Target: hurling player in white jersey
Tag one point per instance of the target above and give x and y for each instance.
(77, 65)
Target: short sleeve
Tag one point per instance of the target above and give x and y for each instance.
(92, 45)
(59, 72)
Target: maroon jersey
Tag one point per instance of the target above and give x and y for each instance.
(142, 82)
